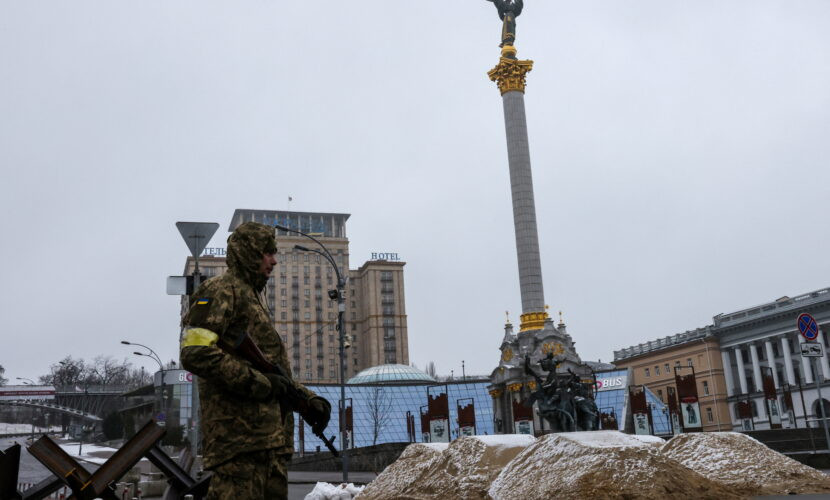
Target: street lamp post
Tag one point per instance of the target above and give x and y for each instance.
(339, 295)
(28, 381)
(155, 357)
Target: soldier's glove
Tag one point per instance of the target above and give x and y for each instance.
(279, 385)
(318, 414)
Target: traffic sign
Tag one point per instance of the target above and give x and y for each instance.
(807, 326)
(812, 350)
(197, 235)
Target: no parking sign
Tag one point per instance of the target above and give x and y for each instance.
(807, 326)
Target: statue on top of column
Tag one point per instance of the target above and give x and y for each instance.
(509, 10)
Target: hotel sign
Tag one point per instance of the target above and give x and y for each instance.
(393, 257)
(214, 252)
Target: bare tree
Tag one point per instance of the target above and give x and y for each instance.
(103, 370)
(379, 408)
(66, 372)
(431, 369)
(3, 379)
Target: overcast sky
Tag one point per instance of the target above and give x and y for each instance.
(679, 154)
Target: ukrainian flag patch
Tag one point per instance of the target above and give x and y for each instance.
(202, 302)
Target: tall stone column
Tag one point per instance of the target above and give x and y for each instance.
(510, 75)
(756, 367)
(727, 373)
(807, 369)
(771, 362)
(788, 360)
(741, 372)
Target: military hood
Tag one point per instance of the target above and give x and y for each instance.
(245, 248)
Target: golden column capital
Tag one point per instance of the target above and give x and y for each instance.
(533, 321)
(510, 73)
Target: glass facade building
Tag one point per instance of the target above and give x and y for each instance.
(380, 411)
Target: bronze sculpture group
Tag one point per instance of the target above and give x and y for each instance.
(563, 399)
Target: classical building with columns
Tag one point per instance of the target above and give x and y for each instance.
(749, 342)
(766, 336)
(653, 365)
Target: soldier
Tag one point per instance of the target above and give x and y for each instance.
(247, 437)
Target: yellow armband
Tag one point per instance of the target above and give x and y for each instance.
(199, 336)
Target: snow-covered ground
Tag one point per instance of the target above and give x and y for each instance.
(89, 452)
(327, 491)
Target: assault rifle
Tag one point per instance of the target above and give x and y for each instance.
(245, 348)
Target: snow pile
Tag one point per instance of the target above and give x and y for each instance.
(403, 473)
(597, 465)
(327, 491)
(744, 464)
(464, 470)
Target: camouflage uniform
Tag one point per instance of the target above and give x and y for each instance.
(247, 441)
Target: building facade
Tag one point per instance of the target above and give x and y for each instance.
(296, 296)
(766, 337)
(736, 353)
(654, 363)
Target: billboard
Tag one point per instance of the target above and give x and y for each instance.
(24, 392)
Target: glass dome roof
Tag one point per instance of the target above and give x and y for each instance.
(390, 373)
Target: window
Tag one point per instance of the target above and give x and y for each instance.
(307, 316)
(354, 316)
(306, 280)
(705, 388)
(353, 304)
(295, 269)
(668, 369)
(282, 281)
(660, 394)
(331, 373)
(308, 363)
(677, 363)
(283, 315)
(709, 415)
(307, 303)
(689, 361)
(657, 370)
(307, 292)
(294, 257)
(282, 290)
(284, 303)
(648, 373)
(305, 258)
(308, 349)
(285, 339)
(305, 270)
